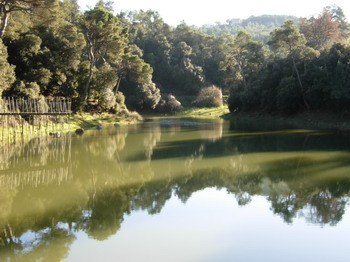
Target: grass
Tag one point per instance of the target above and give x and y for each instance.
(210, 112)
(86, 120)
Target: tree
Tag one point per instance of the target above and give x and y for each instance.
(9, 6)
(48, 54)
(106, 5)
(339, 16)
(243, 58)
(288, 42)
(322, 31)
(7, 74)
(106, 40)
(151, 36)
(185, 75)
(70, 9)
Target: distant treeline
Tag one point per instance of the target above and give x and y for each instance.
(104, 61)
(257, 26)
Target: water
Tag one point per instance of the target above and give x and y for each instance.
(178, 190)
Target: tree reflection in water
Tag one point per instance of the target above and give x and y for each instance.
(114, 172)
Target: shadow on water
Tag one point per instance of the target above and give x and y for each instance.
(51, 189)
(249, 138)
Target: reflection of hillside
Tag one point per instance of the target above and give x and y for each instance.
(118, 171)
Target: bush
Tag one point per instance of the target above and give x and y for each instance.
(149, 95)
(26, 90)
(107, 99)
(120, 98)
(209, 97)
(169, 103)
(143, 96)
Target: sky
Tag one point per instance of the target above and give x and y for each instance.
(199, 12)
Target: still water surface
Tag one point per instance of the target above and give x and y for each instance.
(178, 190)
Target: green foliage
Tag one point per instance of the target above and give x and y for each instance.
(7, 8)
(148, 96)
(106, 41)
(185, 75)
(289, 43)
(27, 90)
(70, 10)
(106, 5)
(243, 58)
(7, 74)
(296, 77)
(107, 100)
(287, 40)
(210, 96)
(120, 102)
(105, 77)
(177, 57)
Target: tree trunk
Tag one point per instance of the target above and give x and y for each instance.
(117, 85)
(87, 85)
(3, 24)
(91, 73)
(301, 85)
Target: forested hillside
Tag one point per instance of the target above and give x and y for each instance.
(259, 27)
(102, 60)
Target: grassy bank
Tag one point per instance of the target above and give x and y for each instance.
(86, 120)
(212, 112)
(25, 131)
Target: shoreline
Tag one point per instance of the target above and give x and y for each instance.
(88, 121)
(84, 121)
(315, 120)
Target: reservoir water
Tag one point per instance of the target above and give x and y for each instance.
(172, 189)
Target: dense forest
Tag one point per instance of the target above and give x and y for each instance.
(110, 62)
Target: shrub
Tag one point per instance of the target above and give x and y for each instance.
(209, 97)
(107, 99)
(120, 98)
(148, 95)
(26, 90)
(169, 103)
